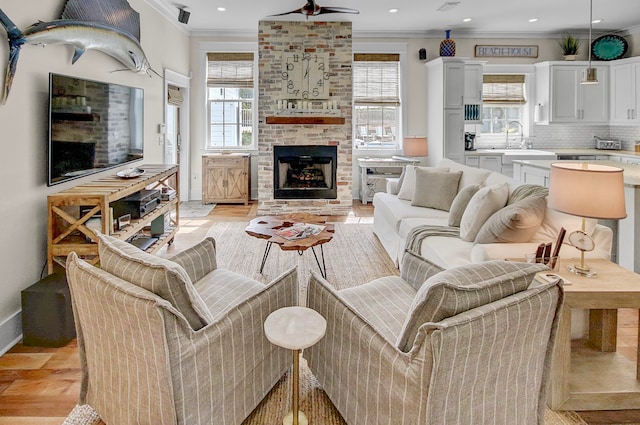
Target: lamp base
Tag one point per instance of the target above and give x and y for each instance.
(582, 270)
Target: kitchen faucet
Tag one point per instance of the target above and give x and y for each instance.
(521, 133)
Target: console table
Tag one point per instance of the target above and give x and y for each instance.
(591, 375)
(374, 170)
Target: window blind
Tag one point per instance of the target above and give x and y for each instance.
(174, 96)
(376, 79)
(230, 69)
(503, 88)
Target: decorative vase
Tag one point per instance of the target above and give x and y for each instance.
(569, 57)
(448, 45)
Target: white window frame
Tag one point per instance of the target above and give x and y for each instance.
(238, 47)
(397, 48)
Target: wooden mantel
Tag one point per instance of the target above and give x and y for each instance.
(304, 120)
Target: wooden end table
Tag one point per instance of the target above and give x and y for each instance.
(265, 227)
(591, 375)
(295, 328)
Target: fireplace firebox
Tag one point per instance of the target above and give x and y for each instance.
(305, 172)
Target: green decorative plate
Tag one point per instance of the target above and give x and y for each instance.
(609, 47)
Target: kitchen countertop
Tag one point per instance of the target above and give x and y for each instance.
(631, 171)
(559, 151)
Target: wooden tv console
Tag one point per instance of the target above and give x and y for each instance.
(70, 212)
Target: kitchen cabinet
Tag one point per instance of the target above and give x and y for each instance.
(565, 100)
(531, 175)
(625, 91)
(445, 111)
(491, 162)
(472, 160)
(225, 178)
(473, 92)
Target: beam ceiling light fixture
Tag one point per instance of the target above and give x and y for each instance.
(590, 75)
(183, 16)
(448, 6)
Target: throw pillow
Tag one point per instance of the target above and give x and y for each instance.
(163, 277)
(459, 204)
(525, 191)
(555, 220)
(459, 289)
(482, 205)
(435, 189)
(408, 186)
(514, 223)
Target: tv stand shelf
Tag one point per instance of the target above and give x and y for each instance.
(69, 229)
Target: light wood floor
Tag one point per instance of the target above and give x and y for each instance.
(40, 386)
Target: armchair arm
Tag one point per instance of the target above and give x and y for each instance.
(415, 270)
(198, 260)
(393, 185)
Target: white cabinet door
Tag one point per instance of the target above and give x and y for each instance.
(593, 99)
(572, 102)
(454, 85)
(491, 162)
(454, 135)
(472, 160)
(564, 94)
(473, 83)
(625, 93)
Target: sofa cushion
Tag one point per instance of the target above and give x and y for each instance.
(460, 289)
(555, 220)
(470, 175)
(408, 186)
(435, 189)
(482, 205)
(460, 203)
(517, 222)
(393, 209)
(161, 276)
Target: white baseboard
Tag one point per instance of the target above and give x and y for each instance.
(10, 332)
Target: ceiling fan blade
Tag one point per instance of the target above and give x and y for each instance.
(329, 9)
(301, 10)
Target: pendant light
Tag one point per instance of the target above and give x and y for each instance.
(590, 75)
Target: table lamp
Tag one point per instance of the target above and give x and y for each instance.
(586, 190)
(415, 146)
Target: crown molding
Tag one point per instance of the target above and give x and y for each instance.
(170, 13)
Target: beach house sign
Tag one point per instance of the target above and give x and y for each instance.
(508, 51)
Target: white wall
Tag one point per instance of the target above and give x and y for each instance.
(23, 121)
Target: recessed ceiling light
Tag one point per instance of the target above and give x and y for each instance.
(448, 6)
(393, 10)
(222, 9)
(466, 20)
(597, 21)
(533, 20)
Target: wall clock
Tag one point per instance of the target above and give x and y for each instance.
(305, 75)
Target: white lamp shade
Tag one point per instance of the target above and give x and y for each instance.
(587, 190)
(415, 146)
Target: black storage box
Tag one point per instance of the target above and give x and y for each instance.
(137, 204)
(47, 316)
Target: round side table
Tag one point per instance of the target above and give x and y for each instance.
(295, 328)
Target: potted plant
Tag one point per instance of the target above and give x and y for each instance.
(570, 46)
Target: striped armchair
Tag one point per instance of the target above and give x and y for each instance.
(465, 346)
(174, 341)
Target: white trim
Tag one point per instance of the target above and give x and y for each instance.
(184, 83)
(209, 46)
(10, 332)
(169, 13)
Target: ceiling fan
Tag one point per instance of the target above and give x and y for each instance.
(313, 9)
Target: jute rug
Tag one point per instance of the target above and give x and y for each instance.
(195, 209)
(353, 257)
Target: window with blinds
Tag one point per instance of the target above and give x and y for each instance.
(376, 99)
(230, 99)
(504, 101)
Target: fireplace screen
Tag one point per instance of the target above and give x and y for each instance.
(305, 172)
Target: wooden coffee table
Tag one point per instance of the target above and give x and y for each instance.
(265, 227)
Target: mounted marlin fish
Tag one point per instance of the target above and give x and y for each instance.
(85, 24)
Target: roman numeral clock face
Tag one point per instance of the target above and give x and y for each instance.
(305, 75)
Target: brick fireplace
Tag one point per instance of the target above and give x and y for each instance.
(274, 39)
(304, 172)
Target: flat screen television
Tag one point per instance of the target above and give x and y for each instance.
(93, 126)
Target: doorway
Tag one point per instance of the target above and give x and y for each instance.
(176, 128)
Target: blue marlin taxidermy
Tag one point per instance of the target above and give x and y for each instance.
(99, 33)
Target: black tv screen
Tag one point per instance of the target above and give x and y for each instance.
(93, 126)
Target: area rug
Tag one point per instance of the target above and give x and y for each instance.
(195, 209)
(353, 257)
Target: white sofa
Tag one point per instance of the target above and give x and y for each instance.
(394, 218)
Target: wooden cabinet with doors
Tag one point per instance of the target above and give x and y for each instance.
(225, 178)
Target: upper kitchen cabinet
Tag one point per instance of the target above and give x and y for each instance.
(625, 91)
(565, 100)
(445, 109)
(473, 92)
